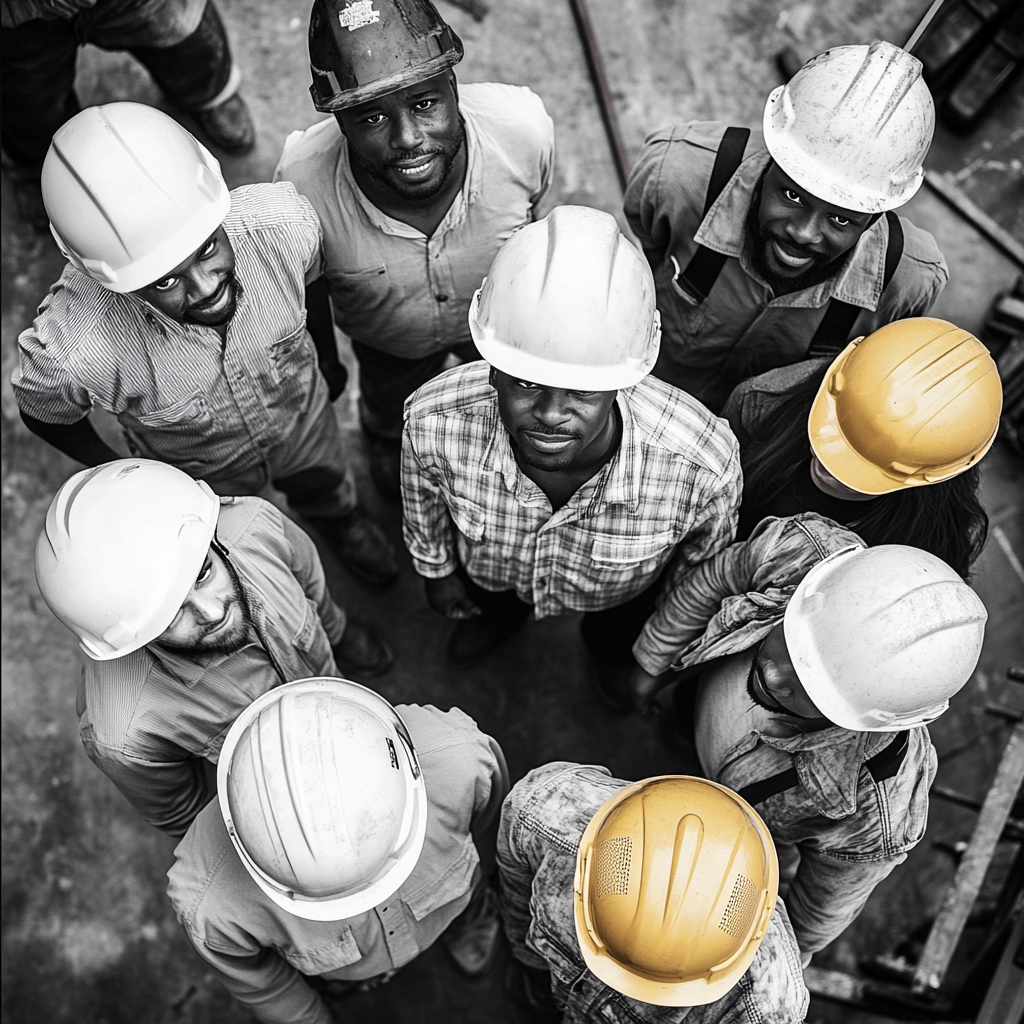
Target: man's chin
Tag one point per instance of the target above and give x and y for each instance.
(219, 318)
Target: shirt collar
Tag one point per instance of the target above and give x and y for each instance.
(859, 280)
(186, 669)
(618, 482)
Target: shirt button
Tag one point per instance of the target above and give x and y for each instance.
(441, 298)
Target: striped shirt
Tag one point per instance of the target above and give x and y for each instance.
(392, 287)
(146, 718)
(211, 408)
(672, 488)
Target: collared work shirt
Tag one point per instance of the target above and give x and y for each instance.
(147, 719)
(213, 409)
(850, 831)
(742, 329)
(392, 287)
(542, 822)
(672, 487)
(260, 951)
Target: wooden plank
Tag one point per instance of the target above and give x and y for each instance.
(959, 899)
(1005, 998)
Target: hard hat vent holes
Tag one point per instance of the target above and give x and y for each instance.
(611, 867)
(739, 913)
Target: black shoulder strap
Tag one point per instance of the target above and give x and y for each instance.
(884, 765)
(705, 265)
(834, 330)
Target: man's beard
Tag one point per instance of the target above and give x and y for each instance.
(820, 270)
(235, 287)
(415, 193)
(225, 641)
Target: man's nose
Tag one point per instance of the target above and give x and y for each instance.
(805, 229)
(551, 407)
(406, 133)
(204, 280)
(206, 607)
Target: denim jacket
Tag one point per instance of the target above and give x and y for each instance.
(542, 821)
(849, 830)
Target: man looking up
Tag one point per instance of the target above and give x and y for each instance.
(561, 478)
(189, 607)
(182, 311)
(417, 183)
(770, 247)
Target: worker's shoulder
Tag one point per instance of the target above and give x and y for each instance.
(461, 391)
(77, 312)
(695, 141)
(515, 112)
(670, 419)
(920, 246)
(434, 731)
(250, 523)
(269, 207)
(309, 151)
(561, 797)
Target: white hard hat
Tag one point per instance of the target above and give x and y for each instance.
(882, 637)
(853, 126)
(323, 798)
(122, 546)
(569, 303)
(130, 194)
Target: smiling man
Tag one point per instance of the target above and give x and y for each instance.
(417, 183)
(771, 246)
(561, 477)
(815, 665)
(183, 312)
(189, 607)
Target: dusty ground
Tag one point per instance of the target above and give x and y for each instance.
(88, 935)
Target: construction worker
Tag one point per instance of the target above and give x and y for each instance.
(189, 606)
(347, 836)
(561, 478)
(886, 439)
(770, 247)
(654, 901)
(182, 312)
(820, 663)
(417, 183)
(181, 43)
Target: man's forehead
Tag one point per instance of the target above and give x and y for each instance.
(410, 94)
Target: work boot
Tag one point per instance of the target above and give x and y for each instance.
(361, 651)
(228, 126)
(361, 545)
(386, 466)
(474, 638)
(472, 938)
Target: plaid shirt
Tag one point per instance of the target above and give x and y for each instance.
(213, 409)
(673, 487)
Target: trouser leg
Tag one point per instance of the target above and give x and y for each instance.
(611, 633)
(38, 78)
(197, 72)
(386, 381)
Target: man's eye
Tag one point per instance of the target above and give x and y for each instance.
(793, 197)
(205, 573)
(424, 104)
(207, 250)
(840, 222)
(166, 284)
(582, 394)
(374, 119)
(526, 385)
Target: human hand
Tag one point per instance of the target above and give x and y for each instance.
(448, 597)
(643, 688)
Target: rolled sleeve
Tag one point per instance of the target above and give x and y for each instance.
(43, 386)
(426, 524)
(643, 204)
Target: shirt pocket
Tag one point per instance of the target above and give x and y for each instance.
(359, 291)
(456, 882)
(615, 553)
(292, 355)
(186, 416)
(341, 952)
(469, 518)
(310, 640)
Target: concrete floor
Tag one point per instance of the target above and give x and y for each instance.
(87, 933)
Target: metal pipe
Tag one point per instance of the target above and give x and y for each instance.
(603, 95)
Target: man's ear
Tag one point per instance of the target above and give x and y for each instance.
(454, 84)
(341, 124)
(492, 378)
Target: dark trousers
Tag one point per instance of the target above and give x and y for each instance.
(386, 381)
(39, 59)
(609, 634)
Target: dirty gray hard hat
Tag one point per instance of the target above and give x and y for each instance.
(362, 49)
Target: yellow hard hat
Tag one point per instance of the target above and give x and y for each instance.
(676, 879)
(914, 403)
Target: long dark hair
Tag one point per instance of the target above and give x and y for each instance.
(946, 518)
